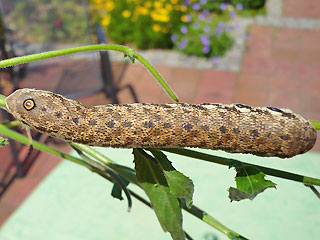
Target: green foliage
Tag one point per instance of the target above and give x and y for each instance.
(3, 141)
(250, 4)
(250, 182)
(146, 24)
(152, 179)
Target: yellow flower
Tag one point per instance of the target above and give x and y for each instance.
(183, 8)
(106, 20)
(97, 2)
(184, 18)
(126, 13)
(142, 10)
(168, 7)
(157, 4)
(148, 4)
(156, 28)
(174, 1)
(109, 6)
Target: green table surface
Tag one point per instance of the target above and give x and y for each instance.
(73, 203)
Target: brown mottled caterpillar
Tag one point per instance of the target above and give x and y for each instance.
(237, 128)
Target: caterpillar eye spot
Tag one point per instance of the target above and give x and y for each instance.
(29, 104)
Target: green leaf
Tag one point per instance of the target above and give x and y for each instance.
(166, 206)
(180, 185)
(250, 182)
(3, 141)
(117, 190)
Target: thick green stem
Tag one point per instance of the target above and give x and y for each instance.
(132, 54)
(229, 162)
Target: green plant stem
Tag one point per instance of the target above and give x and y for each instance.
(229, 162)
(2, 102)
(195, 211)
(126, 172)
(132, 54)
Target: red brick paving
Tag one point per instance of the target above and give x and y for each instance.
(302, 8)
(280, 67)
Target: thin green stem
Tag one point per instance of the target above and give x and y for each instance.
(229, 162)
(131, 53)
(126, 172)
(2, 102)
(207, 218)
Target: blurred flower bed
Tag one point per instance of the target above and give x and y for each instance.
(47, 21)
(194, 27)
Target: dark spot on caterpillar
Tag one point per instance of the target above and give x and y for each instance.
(223, 129)
(92, 122)
(168, 141)
(58, 114)
(129, 141)
(135, 132)
(110, 124)
(117, 116)
(204, 127)
(187, 126)
(222, 114)
(127, 124)
(275, 109)
(184, 141)
(205, 103)
(43, 109)
(145, 139)
(199, 107)
(236, 130)
(186, 111)
(78, 108)
(257, 110)
(146, 110)
(219, 143)
(243, 106)
(75, 120)
(148, 124)
(166, 106)
(255, 133)
(158, 117)
(285, 137)
(167, 125)
(288, 115)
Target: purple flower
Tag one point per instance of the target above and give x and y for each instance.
(205, 12)
(196, 6)
(218, 31)
(184, 29)
(205, 49)
(223, 6)
(203, 2)
(220, 24)
(215, 59)
(182, 44)
(196, 25)
(201, 17)
(232, 14)
(206, 29)
(205, 40)
(236, 25)
(239, 6)
(188, 18)
(174, 37)
(187, 2)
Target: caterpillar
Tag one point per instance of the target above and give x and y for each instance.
(236, 128)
